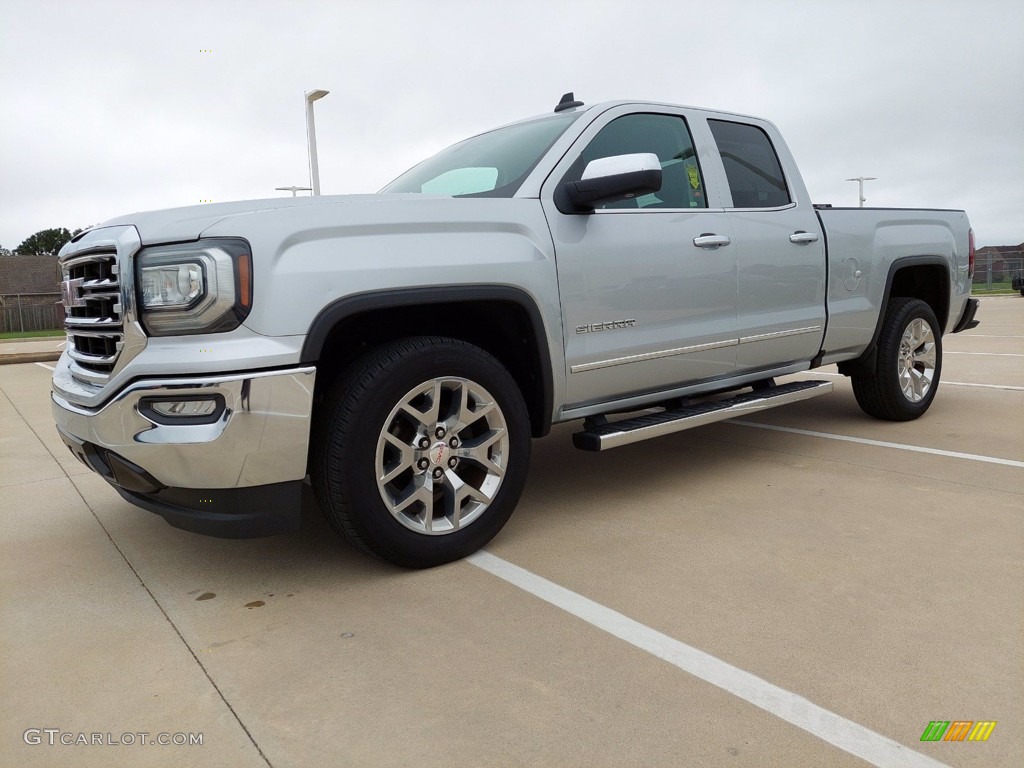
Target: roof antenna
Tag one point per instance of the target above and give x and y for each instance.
(568, 102)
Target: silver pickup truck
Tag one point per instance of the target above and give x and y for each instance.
(640, 267)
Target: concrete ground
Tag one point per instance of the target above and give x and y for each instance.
(881, 584)
(31, 350)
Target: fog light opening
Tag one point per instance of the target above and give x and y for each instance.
(183, 409)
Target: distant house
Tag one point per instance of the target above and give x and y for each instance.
(1004, 261)
(30, 293)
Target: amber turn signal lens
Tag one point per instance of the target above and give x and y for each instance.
(245, 280)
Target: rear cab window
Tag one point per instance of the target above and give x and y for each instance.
(752, 166)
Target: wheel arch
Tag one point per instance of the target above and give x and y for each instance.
(917, 277)
(505, 321)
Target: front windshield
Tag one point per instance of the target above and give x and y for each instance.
(493, 164)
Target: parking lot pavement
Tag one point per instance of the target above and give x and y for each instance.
(16, 351)
(876, 582)
(83, 646)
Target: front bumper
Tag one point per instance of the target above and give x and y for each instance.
(239, 475)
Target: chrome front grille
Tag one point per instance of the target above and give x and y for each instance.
(94, 324)
(102, 326)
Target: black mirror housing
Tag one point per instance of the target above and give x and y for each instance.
(610, 179)
(609, 189)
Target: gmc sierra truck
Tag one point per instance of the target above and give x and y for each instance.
(642, 268)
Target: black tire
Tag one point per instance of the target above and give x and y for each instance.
(350, 443)
(1022, 291)
(880, 392)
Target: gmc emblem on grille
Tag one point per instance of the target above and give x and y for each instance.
(71, 293)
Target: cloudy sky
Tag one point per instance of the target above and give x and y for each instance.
(117, 107)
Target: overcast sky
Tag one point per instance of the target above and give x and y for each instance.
(111, 108)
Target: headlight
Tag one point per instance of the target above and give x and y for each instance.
(201, 287)
(175, 286)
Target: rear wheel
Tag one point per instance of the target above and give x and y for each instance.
(905, 378)
(422, 451)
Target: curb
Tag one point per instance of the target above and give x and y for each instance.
(29, 357)
(55, 337)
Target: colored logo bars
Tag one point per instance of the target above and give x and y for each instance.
(958, 730)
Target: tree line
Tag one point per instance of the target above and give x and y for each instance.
(45, 242)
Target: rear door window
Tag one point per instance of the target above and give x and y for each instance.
(751, 165)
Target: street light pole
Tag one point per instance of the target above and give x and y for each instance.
(314, 167)
(293, 189)
(860, 187)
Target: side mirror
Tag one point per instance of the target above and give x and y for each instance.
(619, 177)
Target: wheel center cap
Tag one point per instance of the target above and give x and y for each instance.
(439, 453)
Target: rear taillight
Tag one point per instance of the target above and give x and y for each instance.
(970, 254)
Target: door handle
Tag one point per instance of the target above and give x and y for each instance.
(803, 238)
(710, 240)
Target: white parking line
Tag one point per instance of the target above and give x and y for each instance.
(953, 383)
(984, 386)
(881, 443)
(44, 365)
(836, 730)
(985, 336)
(985, 354)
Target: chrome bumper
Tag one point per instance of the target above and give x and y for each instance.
(260, 438)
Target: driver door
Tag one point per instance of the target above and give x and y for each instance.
(644, 306)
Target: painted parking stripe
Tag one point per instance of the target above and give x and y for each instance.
(984, 386)
(44, 365)
(881, 443)
(944, 382)
(986, 336)
(849, 736)
(985, 354)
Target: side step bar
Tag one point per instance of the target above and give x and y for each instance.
(601, 437)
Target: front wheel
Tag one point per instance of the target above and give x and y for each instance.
(907, 366)
(422, 450)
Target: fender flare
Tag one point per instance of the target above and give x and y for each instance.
(358, 303)
(867, 359)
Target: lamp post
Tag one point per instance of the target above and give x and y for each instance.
(293, 189)
(860, 187)
(314, 168)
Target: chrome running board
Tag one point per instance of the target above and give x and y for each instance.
(601, 437)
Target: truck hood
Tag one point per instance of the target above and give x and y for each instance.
(188, 223)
